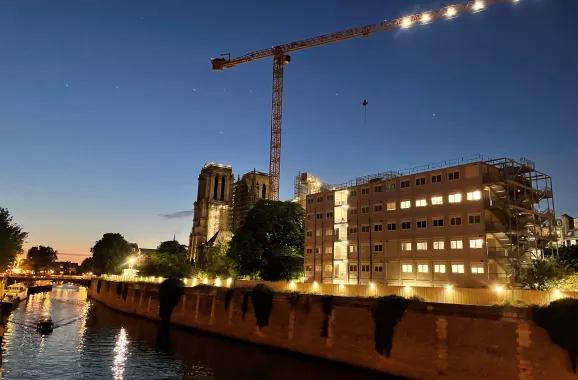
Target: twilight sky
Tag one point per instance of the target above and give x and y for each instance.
(108, 109)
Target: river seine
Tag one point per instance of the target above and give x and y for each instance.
(92, 341)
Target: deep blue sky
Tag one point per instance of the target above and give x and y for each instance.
(108, 109)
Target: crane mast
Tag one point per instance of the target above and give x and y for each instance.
(281, 57)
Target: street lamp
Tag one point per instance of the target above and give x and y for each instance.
(131, 261)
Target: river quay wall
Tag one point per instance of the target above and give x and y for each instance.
(432, 341)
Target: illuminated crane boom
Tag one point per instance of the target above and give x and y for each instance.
(281, 57)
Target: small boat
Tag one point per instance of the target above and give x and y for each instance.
(45, 325)
(15, 293)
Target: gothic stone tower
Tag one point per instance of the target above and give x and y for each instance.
(213, 208)
(248, 191)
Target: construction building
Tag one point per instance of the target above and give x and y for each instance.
(305, 184)
(213, 208)
(567, 231)
(249, 189)
(464, 223)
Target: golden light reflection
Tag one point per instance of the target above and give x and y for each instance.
(120, 354)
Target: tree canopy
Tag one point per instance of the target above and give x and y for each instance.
(214, 261)
(11, 238)
(41, 257)
(269, 245)
(110, 253)
(170, 260)
(86, 266)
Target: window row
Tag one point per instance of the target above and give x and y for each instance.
(456, 268)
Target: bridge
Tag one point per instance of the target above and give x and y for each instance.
(30, 279)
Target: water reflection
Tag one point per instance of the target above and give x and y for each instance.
(103, 344)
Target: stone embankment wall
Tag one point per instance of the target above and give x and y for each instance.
(432, 341)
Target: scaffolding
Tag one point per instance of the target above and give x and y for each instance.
(521, 217)
(304, 184)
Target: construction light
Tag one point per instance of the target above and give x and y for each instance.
(478, 5)
(406, 22)
(425, 18)
(498, 289)
(449, 287)
(451, 12)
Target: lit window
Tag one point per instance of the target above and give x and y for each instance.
(421, 245)
(477, 268)
(406, 246)
(404, 204)
(352, 249)
(437, 200)
(318, 232)
(476, 243)
(406, 268)
(328, 268)
(474, 195)
(422, 268)
(440, 268)
(317, 249)
(420, 202)
(457, 268)
(390, 206)
(438, 244)
(455, 198)
(391, 186)
(456, 244)
(329, 232)
(328, 249)
(317, 268)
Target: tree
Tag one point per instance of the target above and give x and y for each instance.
(87, 266)
(269, 245)
(214, 261)
(41, 257)
(11, 238)
(170, 260)
(110, 253)
(541, 274)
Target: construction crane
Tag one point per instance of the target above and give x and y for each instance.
(281, 57)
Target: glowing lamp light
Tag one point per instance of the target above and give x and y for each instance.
(206, 280)
(478, 5)
(315, 286)
(449, 287)
(498, 289)
(406, 22)
(557, 293)
(451, 12)
(341, 287)
(229, 281)
(407, 288)
(292, 285)
(371, 285)
(425, 18)
(217, 281)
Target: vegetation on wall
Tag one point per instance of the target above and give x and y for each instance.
(170, 291)
(387, 312)
(269, 245)
(560, 320)
(228, 297)
(327, 307)
(262, 298)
